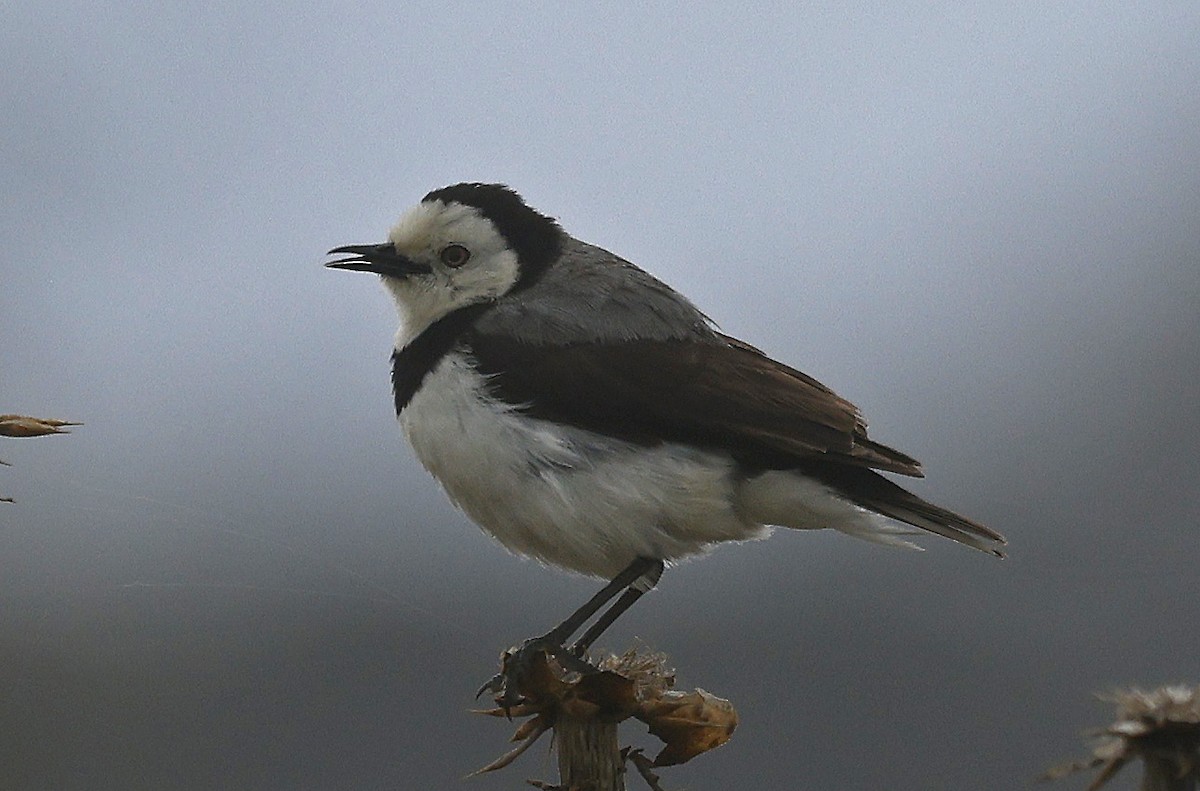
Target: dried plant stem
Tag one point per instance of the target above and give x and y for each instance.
(1161, 773)
(644, 766)
(589, 756)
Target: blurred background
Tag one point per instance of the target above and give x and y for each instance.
(977, 221)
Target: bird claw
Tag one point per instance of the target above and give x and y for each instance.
(501, 686)
(518, 662)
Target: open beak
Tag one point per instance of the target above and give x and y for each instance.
(382, 259)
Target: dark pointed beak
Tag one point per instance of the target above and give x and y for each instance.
(382, 259)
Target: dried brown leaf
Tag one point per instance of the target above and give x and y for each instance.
(519, 710)
(539, 723)
(689, 723)
(604, 696)
(648, 670)
(515, 752)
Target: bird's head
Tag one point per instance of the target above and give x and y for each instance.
(460, 245)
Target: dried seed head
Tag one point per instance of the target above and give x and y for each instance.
(1161, 727)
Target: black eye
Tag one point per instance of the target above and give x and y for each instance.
(455, 255)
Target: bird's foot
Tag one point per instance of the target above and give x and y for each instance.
(518, 663)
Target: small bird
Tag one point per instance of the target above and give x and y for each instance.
(585, 414)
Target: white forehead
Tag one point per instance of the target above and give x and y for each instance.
(433, 225)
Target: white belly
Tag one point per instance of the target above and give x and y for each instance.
(567, 496)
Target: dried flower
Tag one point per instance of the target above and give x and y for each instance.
(634, 684)
(1161, 727)
(22, 426)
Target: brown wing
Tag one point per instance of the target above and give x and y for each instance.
(725, 394)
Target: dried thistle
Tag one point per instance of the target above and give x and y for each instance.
(647, 670)
(23, 426)
(634, 684)
(1161, 727)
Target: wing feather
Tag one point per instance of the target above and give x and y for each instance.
(722, 393)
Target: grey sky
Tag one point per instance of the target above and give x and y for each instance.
(976, 221)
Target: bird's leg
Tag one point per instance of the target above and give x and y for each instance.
(644, 583)
(505, 683)
(630, 575)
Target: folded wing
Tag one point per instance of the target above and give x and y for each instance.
(723, 394)
(719, 393)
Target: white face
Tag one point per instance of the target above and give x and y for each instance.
(436, 234)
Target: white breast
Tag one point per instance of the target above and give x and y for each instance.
(563, 495)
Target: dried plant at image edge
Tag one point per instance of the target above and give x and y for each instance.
(631, 685)
(22, 426)
(1160, 727)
